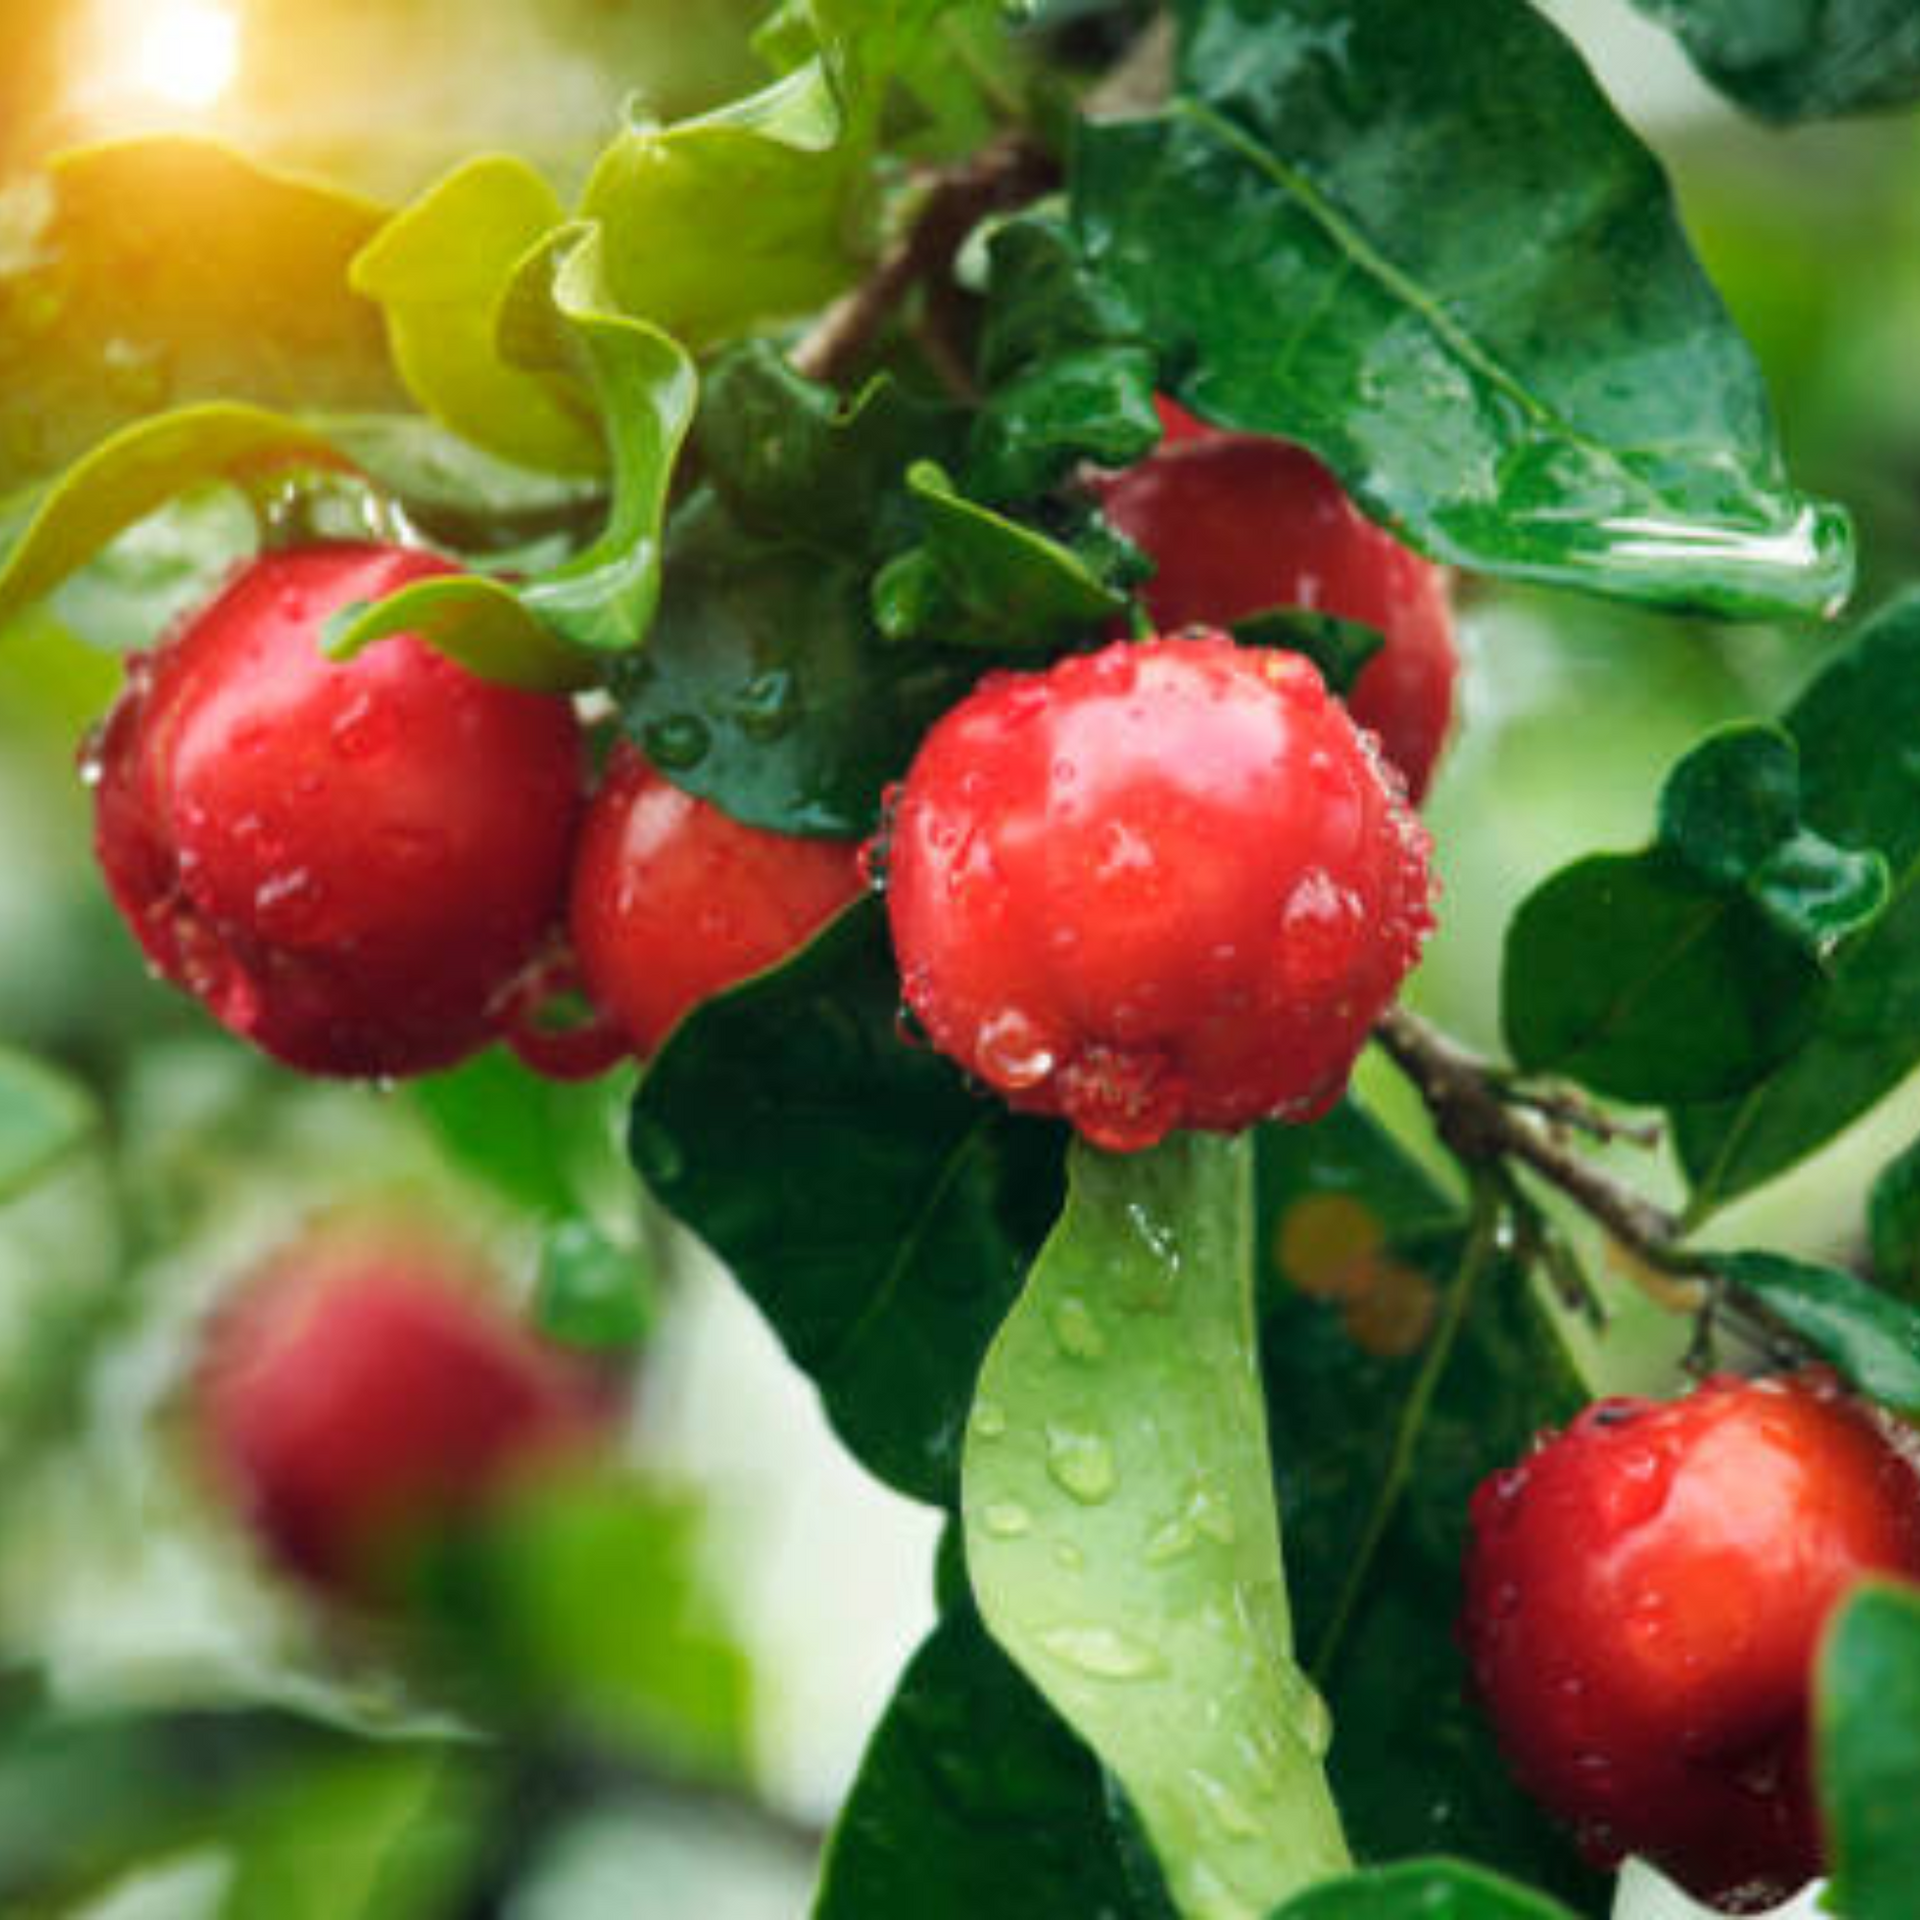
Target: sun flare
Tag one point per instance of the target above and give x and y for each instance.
(185, 52)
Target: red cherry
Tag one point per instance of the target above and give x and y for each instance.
(674, 900)
(1237, 523)
(363, 1391)
(1163, 885)
(346, 863)
(1644, 1595)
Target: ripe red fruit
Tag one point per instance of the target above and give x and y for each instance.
(1237, 523)
(674, 900)
(1644, 1594)
(1163, 885)
(362, 1391)
(346, 863)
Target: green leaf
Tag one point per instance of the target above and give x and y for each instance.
(137, 471)
(779, 175)
(438, 270)
(765, 689)
(1870, 1338)
(1795, 60)
(792, 460)
(1120, 1524)
(1860, 785)
(601, 599)
(1893, 1219)
(981, 580)
(150, 273)
(582, 1602)
(772, 1100)
(1398, 1374)
(1630, 974)
(1867, 1748)
(1278, 230)
(43, 1116)
(1422, 1890)
(1069, 377)
(592, 1293)
(1693, 970)
(1339, 648)
(972, 1799)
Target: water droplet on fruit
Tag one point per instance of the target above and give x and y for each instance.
(1081, 1464)
(1102, 1653)
(361, 729)
(287, 906)
(92, 759)
(1076, 1329)
(1005, 1519)
(678, 742)
(1012, 1051)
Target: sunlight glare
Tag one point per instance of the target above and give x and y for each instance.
(187, 52)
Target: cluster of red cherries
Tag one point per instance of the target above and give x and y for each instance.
(1168, 883)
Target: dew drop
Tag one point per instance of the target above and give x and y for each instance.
(1102, 1653)
(1174, 1541)
(1013, 1052)
(678, 742)
(1005, 1519)
(989, 1419)
(1081, 1464)
(656, 1153)
(765, 707)
(1229, 1812)
(1077, 1331)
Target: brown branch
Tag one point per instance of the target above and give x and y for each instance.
(1480, 1124)
(1009, 172)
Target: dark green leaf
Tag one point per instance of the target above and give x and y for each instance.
(981, 580)
(43, 1115)
(1871, 1339)
(1282, 231)
(1069, 377)
(151, 273)
(1120, 1523)
(1893, 1216)
(765, 689)
(1867, 1752)
(1358, 1304)
(1339, 648)
(1731, 802)
(1631, 975)
(973, 1799)
(1793, 60)
(1422, 1890)
(593, 1293)
(878, 1213)
(1860, 786)
(793, 460)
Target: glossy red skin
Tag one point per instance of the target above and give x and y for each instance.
(674, 900)
(1238, 523)
(1163, 885)
(346, 863)
(360, 1394)
(1644, 1595)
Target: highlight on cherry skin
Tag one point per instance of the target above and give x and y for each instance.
(674, 900)
(1237, 523)
(364, 1389)
(346, 863)
(1167, 884)
(1645, 1594)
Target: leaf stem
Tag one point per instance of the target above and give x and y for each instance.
(1483, 1236)
(1008, 172)
(1482, 1123)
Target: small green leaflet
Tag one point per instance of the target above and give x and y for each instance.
(43, 1116)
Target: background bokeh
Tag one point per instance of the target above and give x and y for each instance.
(120, 1586)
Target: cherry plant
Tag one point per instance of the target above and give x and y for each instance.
(848, 467)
